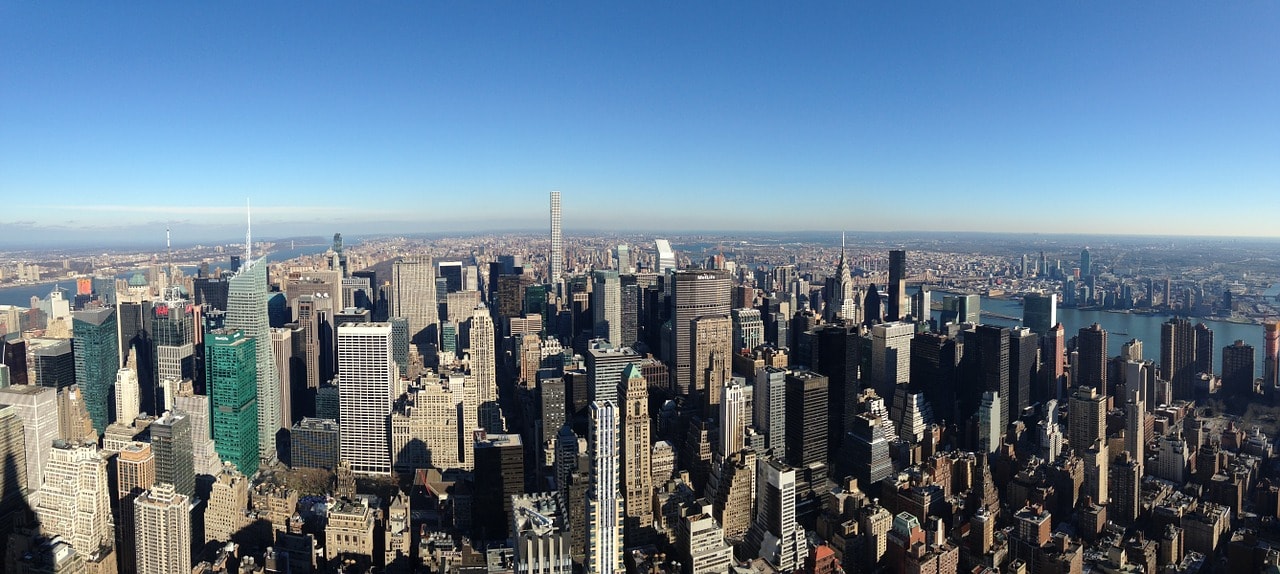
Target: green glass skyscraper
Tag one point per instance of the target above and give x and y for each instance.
(230, 359)
(97, 357)
(247, 311)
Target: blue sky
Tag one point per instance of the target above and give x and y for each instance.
(1080, 117)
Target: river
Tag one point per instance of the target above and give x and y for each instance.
(1122, 327)
(21, 295)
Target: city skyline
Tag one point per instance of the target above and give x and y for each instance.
(1041, 119)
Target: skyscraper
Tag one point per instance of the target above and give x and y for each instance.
(1053, 379)
(636, 450)
(484, 367)
(74, 502)
(415, 300)
(606, 307)
(38, 409)
(776, 536)
(127, 397)
(1237, 369)
(136, 472)
(97, 358)
(1271, 356)
(748, 329)
(13, 482)
(1023, 368)
(499, 475)
(556, 260)
(1087, 422)
(711, 363)
(898, 301)
(1092, 345)
(163, 533)
(1178, 356)
(171, 443)
(366, 376)
(604, 504)
(1086, 263)
(990, 433)
(173, 332)
(806, 441)
(665, 259)
(890, 355)
(247, 311)
(696, 293)
(230, 358)
(1040, 312)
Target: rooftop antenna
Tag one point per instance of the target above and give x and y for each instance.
(168, 246)
(248, 232)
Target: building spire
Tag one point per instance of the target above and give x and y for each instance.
(248, 232)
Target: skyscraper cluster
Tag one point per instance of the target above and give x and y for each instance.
(628, 408)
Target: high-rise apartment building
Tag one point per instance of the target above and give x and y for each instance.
(97, 358)
(247, 311)
(1271, 356)
(1178, 357)
(1237, 369)
(366, 377)
(1088, 418)
(556, 259)
(604, 497)
(695, 294)
(230, 358)
(163, 533)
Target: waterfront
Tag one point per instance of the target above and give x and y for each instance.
(1122, 327)
(20, 295)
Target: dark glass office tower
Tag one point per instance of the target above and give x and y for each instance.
(97, 359)
(1024, 345)
(1092, 346)
(171, 443)
(499, 475)
(806, 426)
(1238, 369)
(898, 302)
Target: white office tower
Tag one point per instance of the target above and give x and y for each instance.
(540, 528)
(556, 261)
(771, 408)
(484, 368)
(701, 540)
(247, 311)
(1050, 434)
(734, 418)
(776, 533)
(163, 531)
(891, 355)
(415, 299)
(748, 329)
(624, 259)
(989, 423)
(1135, 438)
(127, 396)
(666, 260)
(203, 451)
(38, 409)
(366, 377)
(606, 307)
(604, 499)
(75, 502)
(911, 413)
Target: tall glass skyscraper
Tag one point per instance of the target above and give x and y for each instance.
(230, 358)
(556, 261)
(247, 311)
(97, 357)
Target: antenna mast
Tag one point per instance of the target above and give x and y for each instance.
(248, 233)
(168, 247)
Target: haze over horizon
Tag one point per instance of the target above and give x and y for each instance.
(1091, 118)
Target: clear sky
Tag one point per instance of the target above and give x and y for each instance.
(1088, 117)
